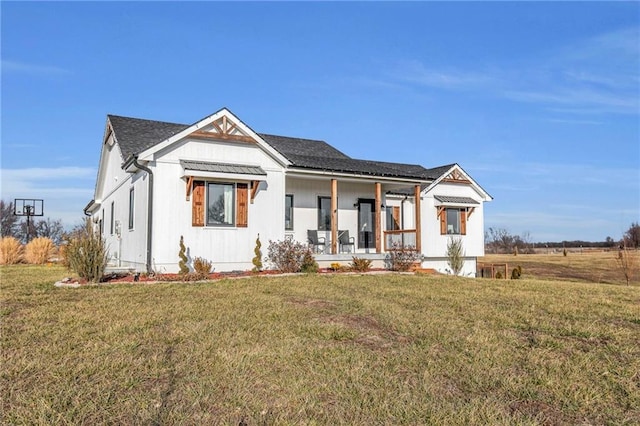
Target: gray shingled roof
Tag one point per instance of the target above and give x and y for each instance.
(319, 155)
(296, 146)
(135, 135)
(455, 200)
(204, 166)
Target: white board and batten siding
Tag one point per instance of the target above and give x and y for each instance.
(435, 243)
(228, 248)
(114, 185)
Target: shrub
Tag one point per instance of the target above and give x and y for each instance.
(499, 275)
(455, 255)
(10, 251)
(335, 266)
(309, 264)
(360, 265)
(402, 257)
(87, 255)
(257, 260)
(516, 273)
(184, 269)
(39, 250)
(287, 255)
(202, 267)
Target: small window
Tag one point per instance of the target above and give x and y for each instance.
(131, 207)
(453, 221)
(112, 218)
(288, 212)
(324, 213)
(220, 204)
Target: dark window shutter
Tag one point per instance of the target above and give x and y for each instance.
(197, 204)
(463, 222)
(242, 211)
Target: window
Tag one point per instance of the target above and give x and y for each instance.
(227, 204)
(102, 222)
(220, 204)
(131, 208)
(324, 213)
(112, 219)
(288, 212)
(453, 221)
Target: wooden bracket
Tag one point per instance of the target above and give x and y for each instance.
(254, 189)
(440, 211)
(189, 186)
(470, 211)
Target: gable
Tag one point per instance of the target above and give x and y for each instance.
(455, 177)
(110, 173)
(220, 126)
(222, 129)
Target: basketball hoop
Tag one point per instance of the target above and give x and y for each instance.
(28, 207)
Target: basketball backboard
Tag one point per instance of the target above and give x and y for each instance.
(28, 207)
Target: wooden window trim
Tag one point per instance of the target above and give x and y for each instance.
(242, 205)
(463, 217)
(198, 190)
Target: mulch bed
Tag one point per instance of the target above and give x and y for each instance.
(119, 278)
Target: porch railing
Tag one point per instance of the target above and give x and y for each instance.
(399, 239)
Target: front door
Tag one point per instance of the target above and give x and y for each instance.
(366, 223)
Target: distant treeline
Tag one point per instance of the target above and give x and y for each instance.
(500, 240)
(578, 244)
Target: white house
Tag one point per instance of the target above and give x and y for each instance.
(219, 184)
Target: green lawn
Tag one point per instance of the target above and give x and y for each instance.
(318, 349)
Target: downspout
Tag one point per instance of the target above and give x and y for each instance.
(149, 211)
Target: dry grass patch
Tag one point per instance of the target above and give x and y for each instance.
(396, 349)
(595, 267)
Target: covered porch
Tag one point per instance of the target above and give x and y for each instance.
(343, 217)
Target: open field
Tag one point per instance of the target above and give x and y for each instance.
(594, 267)
(343, 349)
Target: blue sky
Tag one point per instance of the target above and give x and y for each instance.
(538, 101)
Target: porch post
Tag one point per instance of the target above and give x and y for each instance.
(416, 193)
(334, 216)
(378, 208)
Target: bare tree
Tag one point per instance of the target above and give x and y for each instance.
(632, 236)
(9, 221)
(52, 229)
(628, 262)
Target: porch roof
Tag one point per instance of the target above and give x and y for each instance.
(204, 166)
(460, 201)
